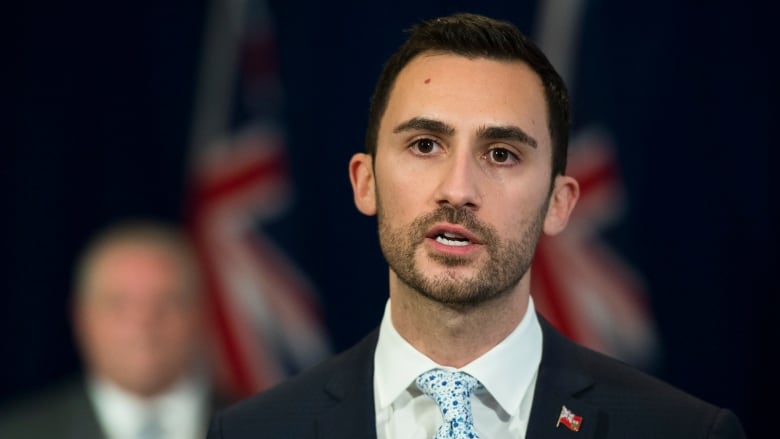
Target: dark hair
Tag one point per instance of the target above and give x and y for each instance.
(476, 36)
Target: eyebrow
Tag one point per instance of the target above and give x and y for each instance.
(425, 124)
(509, 132)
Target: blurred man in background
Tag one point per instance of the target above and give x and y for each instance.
(138, 317)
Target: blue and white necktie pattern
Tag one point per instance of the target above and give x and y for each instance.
(452, 392)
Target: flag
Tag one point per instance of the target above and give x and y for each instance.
(569, 419)
(581, 285)
(265, 314)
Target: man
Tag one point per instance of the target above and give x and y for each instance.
(465, 168)
(139, 320)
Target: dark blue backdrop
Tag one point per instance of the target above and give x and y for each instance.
(98, 112)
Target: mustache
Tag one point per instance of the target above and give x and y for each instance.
(454, 215)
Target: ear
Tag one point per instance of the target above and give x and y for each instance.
(564, 196)
(361, 175)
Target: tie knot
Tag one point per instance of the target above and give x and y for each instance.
(452, 392)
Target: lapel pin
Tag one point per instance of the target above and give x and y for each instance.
(569, 419)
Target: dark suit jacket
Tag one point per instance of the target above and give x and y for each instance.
(65, 412)
(335, 400)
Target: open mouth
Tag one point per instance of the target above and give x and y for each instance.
(452, 239)
(452, 235)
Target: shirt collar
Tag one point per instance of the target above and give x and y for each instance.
(507, 370)
(122, 412)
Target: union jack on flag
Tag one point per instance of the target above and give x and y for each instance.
(579, 284)
(569, 419)
(265, 314)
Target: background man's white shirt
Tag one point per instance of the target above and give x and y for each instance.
(181, 412)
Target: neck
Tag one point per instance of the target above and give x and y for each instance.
(455, 335)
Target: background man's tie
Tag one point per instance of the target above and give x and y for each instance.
(151, 429)
(452, 392)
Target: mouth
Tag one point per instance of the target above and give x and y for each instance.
(452, 236)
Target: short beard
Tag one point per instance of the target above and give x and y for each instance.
(507, 264)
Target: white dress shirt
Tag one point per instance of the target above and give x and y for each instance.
(501, 408)
(181, 412)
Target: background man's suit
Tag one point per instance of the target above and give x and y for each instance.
(335, 400)
(66, 412)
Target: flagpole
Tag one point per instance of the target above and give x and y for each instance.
(557, 33)
(216, 75)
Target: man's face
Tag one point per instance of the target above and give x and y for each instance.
(462, 176)
(138, 321)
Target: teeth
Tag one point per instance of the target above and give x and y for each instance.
(452, 242)
(452, 235)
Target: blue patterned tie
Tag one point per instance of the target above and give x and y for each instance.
(452, 392)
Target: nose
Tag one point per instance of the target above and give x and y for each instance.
(459, 183)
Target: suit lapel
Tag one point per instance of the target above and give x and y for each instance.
(81, 418)
(352, 389)
(558, 383)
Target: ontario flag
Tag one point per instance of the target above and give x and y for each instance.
(579, 283)
(569, 419)
(265, 314)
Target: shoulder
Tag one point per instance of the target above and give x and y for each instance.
(609, 376)
(289, 409)
(46, 413)
(630, 398)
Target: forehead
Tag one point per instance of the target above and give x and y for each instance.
(133, 264)
(469, 93)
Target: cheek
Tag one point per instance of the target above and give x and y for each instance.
(181, 328)
(513, 212)
(103, 338)
(102, 325)
(175, 323)
(401, 193)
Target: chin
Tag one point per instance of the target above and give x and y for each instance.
(147, 386)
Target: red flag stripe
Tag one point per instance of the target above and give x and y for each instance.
(260, 170)
(283, 274)
(548, 291)
(240, 377)
(605, 173)
(254, 347)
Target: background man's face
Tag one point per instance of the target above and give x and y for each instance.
(138, 322)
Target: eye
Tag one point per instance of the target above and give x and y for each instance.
(424, 146)
(501, 156)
